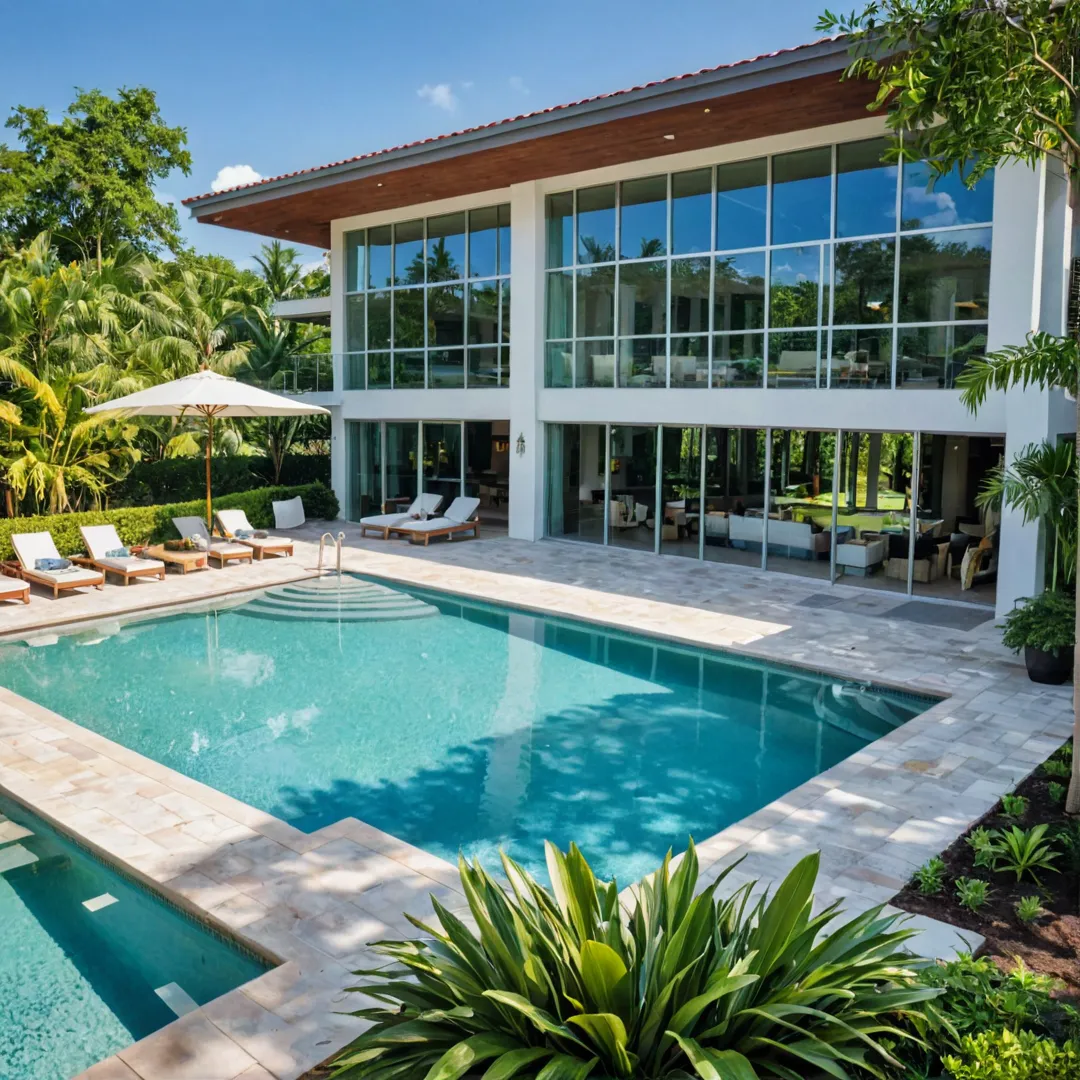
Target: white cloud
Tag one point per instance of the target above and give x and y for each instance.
(935, 208)
(517, 83)
(230, 176)
(440, 95)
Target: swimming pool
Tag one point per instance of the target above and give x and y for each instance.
(454, 724)
(91, 962)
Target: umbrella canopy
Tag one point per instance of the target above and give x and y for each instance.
(210, 395)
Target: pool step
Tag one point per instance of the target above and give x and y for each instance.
(347, 600)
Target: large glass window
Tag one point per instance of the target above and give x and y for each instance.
(734, 497)
(365, 469)
(814, 278)
(632, 510)
(442, 460)
(574, 487)
(402, 471)
(427, 302)
(800, 502)
(680, 490)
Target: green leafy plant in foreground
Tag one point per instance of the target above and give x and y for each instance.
(1045, 622)
(1004, 1055)
(930, 877)
(556, 984)
(981, 840)
(1058, 767)
(972, 893)
(1023, 851)
(1014, 806)
(1029, 908)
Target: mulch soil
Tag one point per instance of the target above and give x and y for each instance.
(1050, 945)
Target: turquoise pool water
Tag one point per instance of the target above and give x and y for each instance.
(76, 985)
(466, 727)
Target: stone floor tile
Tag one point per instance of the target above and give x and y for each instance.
(191, 1048)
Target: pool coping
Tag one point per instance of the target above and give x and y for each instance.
(893, 804)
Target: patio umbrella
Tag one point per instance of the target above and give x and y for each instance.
(209, 395)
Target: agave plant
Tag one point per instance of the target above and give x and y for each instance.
(555, 985)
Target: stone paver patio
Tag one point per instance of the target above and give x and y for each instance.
(315, 900)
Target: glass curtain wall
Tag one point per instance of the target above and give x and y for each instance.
(427, 302)
(487, 466)
(873, 509)
(680, 490)
(402, 446)
(734, 496)
(800, 505)
(817, 268)
(442, 460)
(574, 488)
(632, 502)
(365, 469)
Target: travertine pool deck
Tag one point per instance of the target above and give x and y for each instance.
(315, 900)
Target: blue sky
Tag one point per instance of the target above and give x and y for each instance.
(273, 87)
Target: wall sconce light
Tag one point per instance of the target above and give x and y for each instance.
(521, 444)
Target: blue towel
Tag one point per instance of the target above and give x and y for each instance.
(51, 564)
(244, 534)
(118, 553)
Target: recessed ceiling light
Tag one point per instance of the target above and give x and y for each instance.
(708, 110)
(669, 138)
(379, 184)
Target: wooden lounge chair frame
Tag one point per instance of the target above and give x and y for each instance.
(446, 530)
(127, 575)
(267, 545)
(13, 588)
(14, 567)
(224, 557)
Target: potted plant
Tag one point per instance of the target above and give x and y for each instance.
(1043, 626)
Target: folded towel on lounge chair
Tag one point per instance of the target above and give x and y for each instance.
(118, 553)
(52, 564)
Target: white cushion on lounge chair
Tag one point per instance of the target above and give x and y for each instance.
(102, 538)
(429, 501)
(234, 521)
(10, 586)
(193, 526)
(289, 513)
(29, 547)
(457, 513)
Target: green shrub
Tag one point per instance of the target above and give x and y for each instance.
(171, 480)
(972, 893)
(981, 840)
(1014, 806)
(1003, 1055)
(930, 877)
(1058, 767)
(150, 524)
(1023, 851)
(1056, 791)
(1029, 908)
(1046, 621)
(557, 983)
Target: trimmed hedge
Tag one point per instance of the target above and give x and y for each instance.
(150, 483)
(151, 524)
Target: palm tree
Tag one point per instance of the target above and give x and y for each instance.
(280, 270)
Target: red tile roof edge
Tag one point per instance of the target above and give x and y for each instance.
(509, 120)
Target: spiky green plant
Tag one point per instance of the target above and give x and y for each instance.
(1023, 851)
(1058, 767)
(555, 984)
(972, 893)
(981, 841)
(1014, 806)
(1029, 908)
(930, 877)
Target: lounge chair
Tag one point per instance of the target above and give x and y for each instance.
(458, 518)
(288, 513)
(100, 540)
(30, 547)
(223, 550)
(13, 589)
(384, 523)
(232, 522)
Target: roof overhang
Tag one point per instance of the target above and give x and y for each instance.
(771, 95)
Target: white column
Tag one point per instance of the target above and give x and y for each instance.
(526, 361)
(1016, 287)
(338, 447)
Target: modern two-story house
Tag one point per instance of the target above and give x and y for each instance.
(698, 318)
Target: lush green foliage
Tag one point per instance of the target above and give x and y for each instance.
(930, 877)
(1057, 791)
(1014, 806)
(979, 996)
(1041, 484)
(89, 178)
(1046, 621)
(557, 984)
(181, 478)
(1029, 908)
(1003, 1055)
(1023, 851)
(981, 841)
(972, 893)
(143, 524)
(1056, 766)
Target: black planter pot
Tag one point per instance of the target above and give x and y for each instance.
(1048, 667)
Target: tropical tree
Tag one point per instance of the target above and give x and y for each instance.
(975, 83)
(280, 270)
(89, 178)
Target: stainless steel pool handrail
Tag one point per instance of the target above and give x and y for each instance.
(337, 544)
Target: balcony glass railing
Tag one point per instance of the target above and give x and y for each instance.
(304, 373)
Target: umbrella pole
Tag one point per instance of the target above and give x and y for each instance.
(209, 448)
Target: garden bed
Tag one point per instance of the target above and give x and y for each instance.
(1051, 943)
